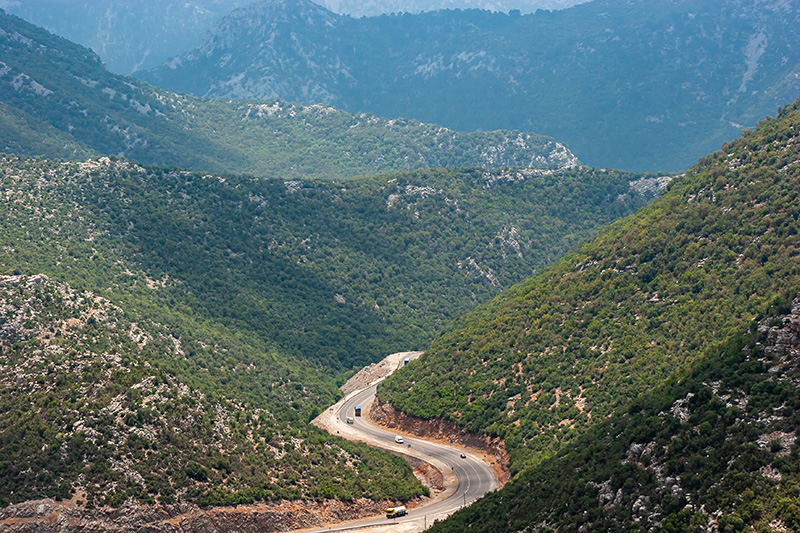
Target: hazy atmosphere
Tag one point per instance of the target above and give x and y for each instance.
(399, 266)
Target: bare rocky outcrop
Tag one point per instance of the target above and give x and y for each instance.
(387, 416)
(47, 516)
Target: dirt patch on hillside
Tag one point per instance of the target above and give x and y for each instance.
(45, 516)
(493, 450)
(377, 371)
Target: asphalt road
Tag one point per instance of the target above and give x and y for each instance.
(475, 477)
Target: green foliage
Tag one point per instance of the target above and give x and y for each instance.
(59, 101)
(334, 274)
(221, 309)
(619, 315)
(716, 445)
(88, 403)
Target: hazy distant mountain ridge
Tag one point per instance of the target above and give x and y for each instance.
(639, 85)
(129, 36)
(59, 101)
(271, 24)
(371, 8)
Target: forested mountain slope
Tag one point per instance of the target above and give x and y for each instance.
(620, 314)
(166, 334)
(336, 273)
(58, 100)
(713, 450)
(95, 405)
(640, 85)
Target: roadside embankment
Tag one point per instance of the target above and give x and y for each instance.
(491, 450)
(46, 516)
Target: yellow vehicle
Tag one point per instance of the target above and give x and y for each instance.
(394, 512)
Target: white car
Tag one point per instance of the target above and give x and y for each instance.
(398, 439)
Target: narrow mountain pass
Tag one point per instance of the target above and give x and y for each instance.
(465, 476)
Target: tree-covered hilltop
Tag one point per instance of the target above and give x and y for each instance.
(333, 273)
(58, 100)
(714, 449)
(95, 405)
(620, 314)
(648, 85)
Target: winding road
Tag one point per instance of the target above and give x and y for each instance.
(473, 476)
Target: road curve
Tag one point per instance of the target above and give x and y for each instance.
(474, 477)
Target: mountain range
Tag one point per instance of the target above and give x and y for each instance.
(640, 85)
(155, 321)
(131, 36)
(166, 334)
(59, 101)
(373, 8)
(128, 36)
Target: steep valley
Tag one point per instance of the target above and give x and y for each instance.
(187, 283)
(158, 323)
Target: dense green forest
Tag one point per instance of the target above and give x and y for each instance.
(712, 449)
(58, 100)
(336, 274)
(96, 406)
(620, 314)
(216, 295)
(647, 85)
